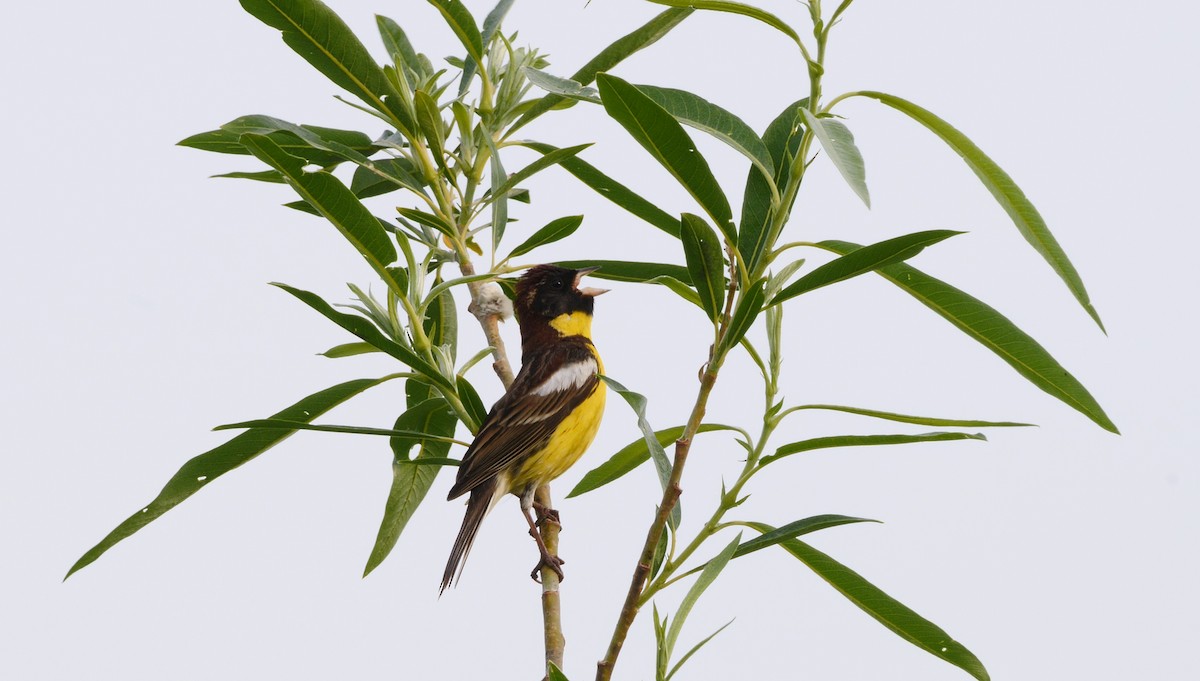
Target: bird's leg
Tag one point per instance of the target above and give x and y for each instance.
(548, 559)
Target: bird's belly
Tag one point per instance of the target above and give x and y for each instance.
(569, 441)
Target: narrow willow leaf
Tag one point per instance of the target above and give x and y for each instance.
(695, 649)
(662, 464)
(736, 8)
(631, 456)
(863, 260)
(660, 552)
(335, 202)
(992, 329)
(227, 140)
(644, 36)
(701, 114)
(491, 24)
(349, 350)
(410, 484)
(547, 160)
(706, 264)
(660, 134)
(864, 441)
(396, 173)
(427, 219)
(613, 191)
(429, 120)
(918, 420)
(707, 576)
(319, 35)
(748, 309)
(838, 143)
(471, 400)
(562, 86)
(790, 531)
(889, 612)
(203, 469)
(679, 288)
(782, 139)
(1026, 218)
(441, 322)
(555, 230)
(661, 657)
(459, 19)
(272, 176)
(399, 46)
(620, 270)
(368, 332)
(284, 424)
(553, 673)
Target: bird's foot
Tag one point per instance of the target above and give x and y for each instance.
(551, 561)
(547, 515)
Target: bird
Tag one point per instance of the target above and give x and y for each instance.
(547, 418)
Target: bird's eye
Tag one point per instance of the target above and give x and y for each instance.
(557, 283)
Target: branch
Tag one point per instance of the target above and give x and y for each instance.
(551, 603)
(672, 491)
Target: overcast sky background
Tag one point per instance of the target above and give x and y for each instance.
(139, 316)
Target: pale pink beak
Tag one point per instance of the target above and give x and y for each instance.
(589, 292)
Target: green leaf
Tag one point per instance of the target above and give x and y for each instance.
(349, 350)
(399, 46)
(227, 140)
(471, 400)
(631, 456)
(660, 134)
(891, 613)
(337, 203)
(555, 230)
(319, 35)
(410, 484)
(863, 260)
(203, 469)
(918, 420)
(644, 36)
(864, 441)
(987, 326)
(396, 173)
(706, 264)
(429, 120)
(838, 143)
(620, 270)
(796, 529)
(553, 673)
(427, 219)
(736, 8)
(370, 333)
(707, 576)
(694, 649)
(662, 464)
(680, 289)
(459, 19)
(1027, 219)
(747, 310)
(612, 190)
(441, 322)
(549, 159)
(284, 424)
(272, 176)
(561, 86)
(491, 24)
(701, 114)
(782, 138)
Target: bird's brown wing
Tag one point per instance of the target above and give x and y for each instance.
(523, 420)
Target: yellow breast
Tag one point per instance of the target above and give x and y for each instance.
(575, 434)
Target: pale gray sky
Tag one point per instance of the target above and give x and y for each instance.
(139, 318)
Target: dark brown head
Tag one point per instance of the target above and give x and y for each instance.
(549, 298)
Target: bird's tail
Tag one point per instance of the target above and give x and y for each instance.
(481, 501)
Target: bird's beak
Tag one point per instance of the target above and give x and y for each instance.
(589, 292)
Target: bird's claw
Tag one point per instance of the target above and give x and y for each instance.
(551, 561)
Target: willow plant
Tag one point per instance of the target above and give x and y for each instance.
(450, 130)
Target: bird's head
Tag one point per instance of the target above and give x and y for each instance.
(548, 295)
